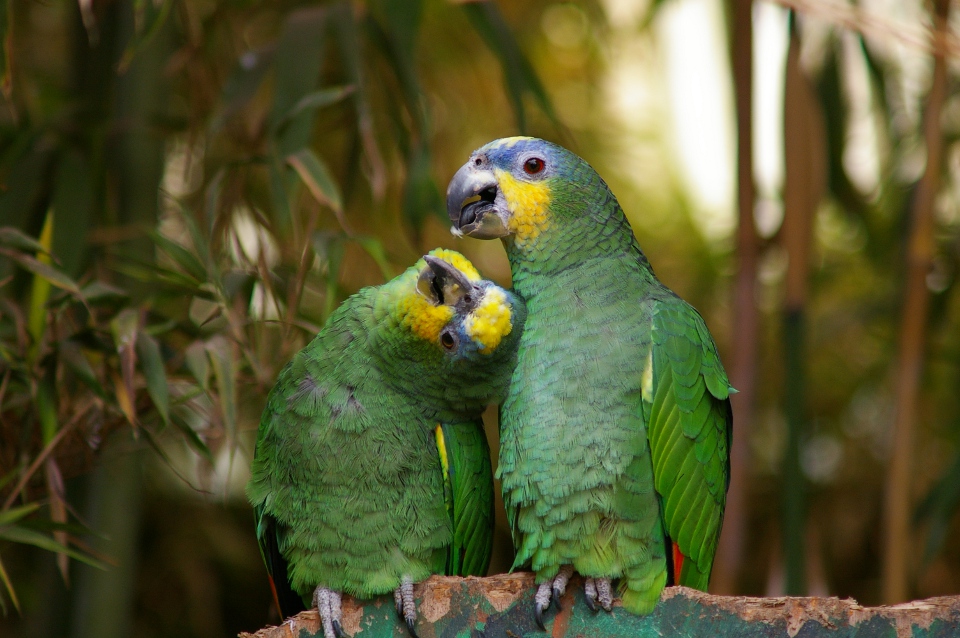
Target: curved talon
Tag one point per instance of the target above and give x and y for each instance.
(542, 602)
(555, 597)
(590, 594)
(338, 630)
(413, 632)
(538, 616)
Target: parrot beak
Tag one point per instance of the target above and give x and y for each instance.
(441, 283)
(475, 204)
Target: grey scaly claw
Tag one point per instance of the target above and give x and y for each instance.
(406, 606)
(541, 603)
(327, 602)
(604, 596)
(590, 593)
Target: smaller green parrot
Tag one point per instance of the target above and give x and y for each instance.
(371, 470)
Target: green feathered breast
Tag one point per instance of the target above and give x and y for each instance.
(371, 464)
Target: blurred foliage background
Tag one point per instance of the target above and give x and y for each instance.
(188, 188)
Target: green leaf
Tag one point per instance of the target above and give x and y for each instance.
(72, 356)
(9, 585)
(47, 271)
(374, 248)
(73, 201)
(314, 173)
(225, 373)
(242, 84)
(421, 197)
(311, 102)
(13, 238)
(149, 19)
(198, 363)
(299, 59)
(518, 73)
(14, 514)
(148, 350)
(193, 439)
(24, 536)
(181, 256)
(46, 405)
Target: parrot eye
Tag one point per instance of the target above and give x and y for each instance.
(447, 341)
(477, 162)
(533, 166)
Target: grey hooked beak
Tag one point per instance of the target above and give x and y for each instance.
(475, 204)
(441, 283)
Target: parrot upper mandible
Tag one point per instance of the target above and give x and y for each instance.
(371, 470)
(616, 430)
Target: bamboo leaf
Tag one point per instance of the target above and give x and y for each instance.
(72, 356)
(374, 248)
(14, 514)
(46, 271)
(25, 536)
(224, 371)
(181, 256)
(46, 405)
(9, 586)
(40, 291)
(193, 439)
(243, 84)
(315, 175)
(518, 73)
(13, 238)
(298, 61)
(151, 362)
(311, 102)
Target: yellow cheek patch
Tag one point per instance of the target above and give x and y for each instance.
(528, 203)
(423, 318)
(490, 322)
(458, 261)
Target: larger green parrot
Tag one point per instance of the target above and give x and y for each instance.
(615, 433)
(371, 470)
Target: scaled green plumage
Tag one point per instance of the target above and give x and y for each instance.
(615, 431)
(349, 485)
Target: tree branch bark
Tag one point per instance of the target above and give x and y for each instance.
(502, 606)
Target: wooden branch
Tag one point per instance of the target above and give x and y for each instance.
(502, 607)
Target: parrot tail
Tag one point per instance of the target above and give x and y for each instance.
(677, 564)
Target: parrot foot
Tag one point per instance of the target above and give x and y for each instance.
(590, 593)
(604, 595)
(560, 584)
(550, 592)
(406, 607)
(541, 602)
(327, 602)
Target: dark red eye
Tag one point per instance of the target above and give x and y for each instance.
(533, 166)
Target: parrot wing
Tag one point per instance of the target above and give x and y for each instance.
(468, 488)
(269, 532)
(689, 427)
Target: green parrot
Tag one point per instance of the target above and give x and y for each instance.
(371, 470)
(616, 429)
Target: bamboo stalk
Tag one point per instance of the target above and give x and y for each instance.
(746, 317)
(910, 354)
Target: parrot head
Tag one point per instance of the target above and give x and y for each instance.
(446, 304)
(509, 188)
(458, 332)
